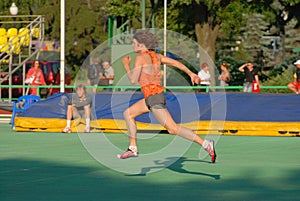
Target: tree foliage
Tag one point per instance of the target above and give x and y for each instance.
(85, 24)
(280, 79)
(214, 24)
(123, 8)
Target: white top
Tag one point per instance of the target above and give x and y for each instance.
(205, 77)
(109, 72)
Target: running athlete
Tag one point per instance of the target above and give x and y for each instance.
(147, 73)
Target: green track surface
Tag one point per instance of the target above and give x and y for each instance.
(57, 167)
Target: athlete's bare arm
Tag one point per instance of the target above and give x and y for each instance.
(171, 62)
(133, 74)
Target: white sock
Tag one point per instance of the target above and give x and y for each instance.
(205, 144)
(68, 123)
(87, 123)
(133, 148)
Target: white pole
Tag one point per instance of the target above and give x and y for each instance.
(165, 41)
(62, 46)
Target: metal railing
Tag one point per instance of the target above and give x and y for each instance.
(11, 60)
(206, 89)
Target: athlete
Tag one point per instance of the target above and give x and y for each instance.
(147, 73)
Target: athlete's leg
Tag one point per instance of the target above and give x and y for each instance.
(130, 114)
(165, 119)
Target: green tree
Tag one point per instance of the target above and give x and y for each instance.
(84, 27)
(205, 20)
(292, 36)
(258, 41)
(280, 79)
(85, 24)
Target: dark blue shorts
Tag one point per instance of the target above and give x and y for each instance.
(156, 101)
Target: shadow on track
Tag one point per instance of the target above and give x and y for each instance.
(177, 166)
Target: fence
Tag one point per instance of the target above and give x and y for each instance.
(206, 89)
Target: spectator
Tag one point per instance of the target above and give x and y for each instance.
(204, 76)
(79, 106)
(225, 75)
(107, 78)
(295, 85)
(251, 75)
(35, 77)
(94, 73)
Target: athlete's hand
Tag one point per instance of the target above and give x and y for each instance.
(126, 60)
(195, 79)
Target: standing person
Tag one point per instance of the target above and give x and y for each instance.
(79, 105)
(147, 73)
(225, 75)
(251, 75)
(94, 72)
(35, 77)
(295, 85)
(108, 75)
(204, 76)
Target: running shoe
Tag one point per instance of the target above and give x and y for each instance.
(211, 151)
(86, 130)
(127, 154)
(66, 130)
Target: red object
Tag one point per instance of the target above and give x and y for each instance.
(4, 112)
(255, 87)
(50, 70)
(50, 77)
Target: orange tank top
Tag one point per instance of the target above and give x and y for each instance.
(150, 83)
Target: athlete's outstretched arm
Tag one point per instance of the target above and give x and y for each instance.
(133, 74)
(171, 62)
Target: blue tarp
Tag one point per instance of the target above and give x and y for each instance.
(184, 107)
